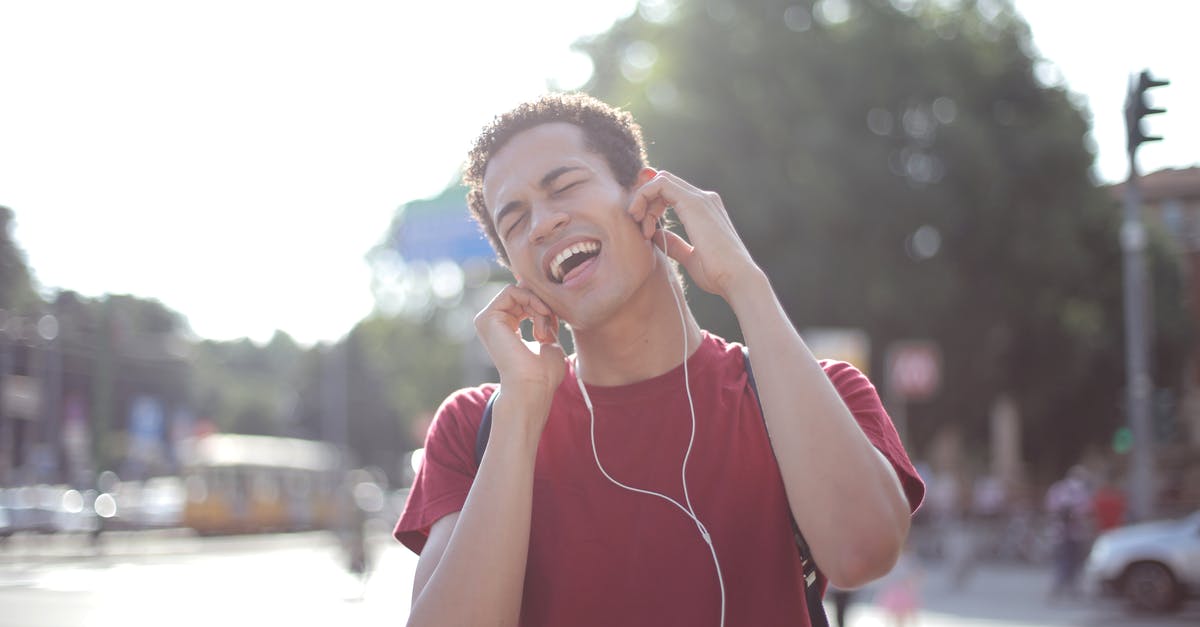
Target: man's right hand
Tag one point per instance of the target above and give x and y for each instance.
(530, 372)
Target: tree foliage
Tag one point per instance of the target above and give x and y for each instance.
(365, 391)
(247, 388)
(903, 171)
(403, 369)
(16, 284)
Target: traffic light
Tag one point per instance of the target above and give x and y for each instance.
(1136, 108)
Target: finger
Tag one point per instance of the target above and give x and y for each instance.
(527, 298)
(541, 329)
(678, 182)
(654, 219)
(653, 216)
(545, 329)
(650, 199)
(545, 319)
(676, 247)
(527, 305)
(651, 223)
(512, 305)
(639, 202)
(530, 304)
(684, 193)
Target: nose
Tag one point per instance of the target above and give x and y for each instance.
(547, 220)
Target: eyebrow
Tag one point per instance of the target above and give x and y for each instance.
(546, 183)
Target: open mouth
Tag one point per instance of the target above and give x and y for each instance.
(571, 258)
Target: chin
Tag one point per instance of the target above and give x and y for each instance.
(582, 316)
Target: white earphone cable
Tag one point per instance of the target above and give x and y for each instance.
(689, 510)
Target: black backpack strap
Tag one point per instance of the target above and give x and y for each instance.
(812, 576)
(485, 427)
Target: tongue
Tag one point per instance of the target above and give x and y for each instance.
(574, 272)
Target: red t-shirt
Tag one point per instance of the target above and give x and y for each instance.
(601, 555)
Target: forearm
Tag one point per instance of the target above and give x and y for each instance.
(845, 496)
(480, 576)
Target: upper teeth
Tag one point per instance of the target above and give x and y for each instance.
(581, 247)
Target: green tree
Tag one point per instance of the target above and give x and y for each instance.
(16, 284)
(246, 388)
(902, 171)
(403, 370)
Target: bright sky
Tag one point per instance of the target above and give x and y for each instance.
(237, 159)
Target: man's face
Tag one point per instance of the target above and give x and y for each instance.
(561, 216)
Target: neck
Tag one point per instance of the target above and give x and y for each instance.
(644, 340)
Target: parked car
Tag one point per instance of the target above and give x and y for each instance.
(43, 509)
(1156, 565)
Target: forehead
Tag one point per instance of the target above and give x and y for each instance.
(522, 162)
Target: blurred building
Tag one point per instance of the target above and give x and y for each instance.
(1171, 204)
(87, 386)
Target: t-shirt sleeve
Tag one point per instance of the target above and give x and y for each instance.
(447, 468)
(861, 398)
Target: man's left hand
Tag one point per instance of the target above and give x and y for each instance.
(716, 258)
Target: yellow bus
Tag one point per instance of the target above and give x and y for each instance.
(255, 484)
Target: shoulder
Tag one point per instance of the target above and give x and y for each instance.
(857, 391)
(466, 399)
(461, 412)
(863, 401)
(447, 466)
(714, 348)
(843, 371)
(724, 363)
(853, 386)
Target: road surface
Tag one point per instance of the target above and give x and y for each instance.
(174, 578)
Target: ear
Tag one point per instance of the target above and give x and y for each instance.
(644, 176)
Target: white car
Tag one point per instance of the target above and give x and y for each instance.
(1155, 565)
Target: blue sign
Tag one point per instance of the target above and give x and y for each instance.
(146, 420)
(440, 229)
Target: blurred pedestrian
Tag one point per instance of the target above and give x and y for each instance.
(1108, 506)
(1069, 504)
(944, 506)
(900, 595)
(960, 552)
(356, 511)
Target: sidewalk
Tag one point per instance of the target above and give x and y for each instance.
(999, 594)
(145, 542)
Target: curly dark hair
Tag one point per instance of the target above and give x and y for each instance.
(608, 131)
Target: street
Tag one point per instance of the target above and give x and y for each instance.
(1007, 595)
(177, 579)
(173, 577)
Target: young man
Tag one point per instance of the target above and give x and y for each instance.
(634, 482)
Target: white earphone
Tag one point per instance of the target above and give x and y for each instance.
(689, 511)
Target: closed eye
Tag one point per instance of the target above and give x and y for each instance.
(567, 187)
(513, 224)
